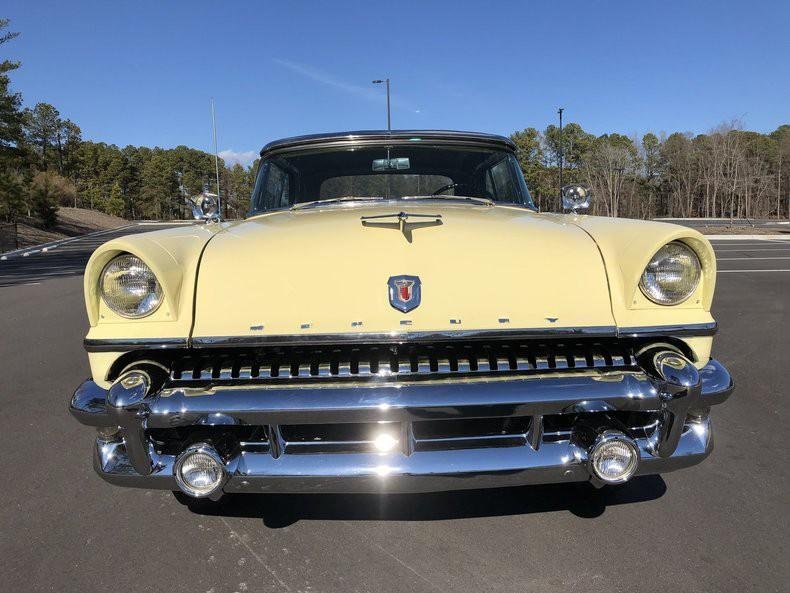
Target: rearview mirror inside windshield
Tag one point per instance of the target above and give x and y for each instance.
(391, 164)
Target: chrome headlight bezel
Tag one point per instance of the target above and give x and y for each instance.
(150, 293)
(671, 254)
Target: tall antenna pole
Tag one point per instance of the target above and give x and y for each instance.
(389, 118)
(216, 156)
(562, 149)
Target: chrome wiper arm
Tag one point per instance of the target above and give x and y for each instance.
(476, 200)
(315, 203)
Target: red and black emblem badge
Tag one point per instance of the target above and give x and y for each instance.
(405, 292)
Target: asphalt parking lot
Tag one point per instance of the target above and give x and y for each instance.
(721, 526)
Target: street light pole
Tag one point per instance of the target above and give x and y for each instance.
(389, 120)
(616, 195)
(562, 150)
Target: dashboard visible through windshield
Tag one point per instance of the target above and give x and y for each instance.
(286, 180)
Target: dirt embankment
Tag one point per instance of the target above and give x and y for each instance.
(71, 222)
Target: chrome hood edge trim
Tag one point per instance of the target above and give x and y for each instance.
(605, 331)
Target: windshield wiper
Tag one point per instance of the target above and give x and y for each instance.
(313, 204)
(483, 201)
(335, 201)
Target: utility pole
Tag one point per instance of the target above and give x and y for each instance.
(216, 157)
(562, 150)
(389, 120)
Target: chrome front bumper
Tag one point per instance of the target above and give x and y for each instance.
(681, 438)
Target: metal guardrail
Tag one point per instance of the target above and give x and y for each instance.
(44, 247)
(731, 222)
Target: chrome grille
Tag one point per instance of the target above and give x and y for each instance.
(415, 436)
(397, 361)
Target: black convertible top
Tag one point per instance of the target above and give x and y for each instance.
(395, 137)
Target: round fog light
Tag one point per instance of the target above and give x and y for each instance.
(614, 457)
(199, 471)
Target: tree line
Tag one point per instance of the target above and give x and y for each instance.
(728, 172)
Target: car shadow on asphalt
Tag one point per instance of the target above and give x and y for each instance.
(283, 510)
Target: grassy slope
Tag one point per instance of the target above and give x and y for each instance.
(71, 222)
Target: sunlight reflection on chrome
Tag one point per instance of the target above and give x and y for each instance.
(108, 452)
(383, 471)
(700, 429)
(385, 442)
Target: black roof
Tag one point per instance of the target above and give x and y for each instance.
(375, 137)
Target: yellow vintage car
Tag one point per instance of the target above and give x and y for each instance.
(395, 315)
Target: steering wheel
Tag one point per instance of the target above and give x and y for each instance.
(446, 187)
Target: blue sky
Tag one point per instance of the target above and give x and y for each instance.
(143, 72)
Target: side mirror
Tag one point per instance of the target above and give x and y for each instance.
(576, 197)
(204, 206)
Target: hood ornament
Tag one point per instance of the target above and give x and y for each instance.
(204, 206)
(405, 292)
(401, 222)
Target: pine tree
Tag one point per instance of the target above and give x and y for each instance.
(10, 115)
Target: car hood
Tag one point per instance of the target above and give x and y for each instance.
(323, 270)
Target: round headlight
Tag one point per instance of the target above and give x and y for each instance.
(129, 287)
(672, 275)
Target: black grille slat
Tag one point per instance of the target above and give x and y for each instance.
(404, 360)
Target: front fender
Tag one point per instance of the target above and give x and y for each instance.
(626, 247)
(173, 255)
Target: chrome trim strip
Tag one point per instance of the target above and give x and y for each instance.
(605, 331)
(687, 329)
(125, 345)
(601, 331)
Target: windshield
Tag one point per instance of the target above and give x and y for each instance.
(388, 173)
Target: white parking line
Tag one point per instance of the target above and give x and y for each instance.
(53, 273)
(754, 249)
(747, 271)
(736, 242)
(750, 258)
(747, 237)
(760, 244)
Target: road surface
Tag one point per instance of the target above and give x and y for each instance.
(721, 526)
